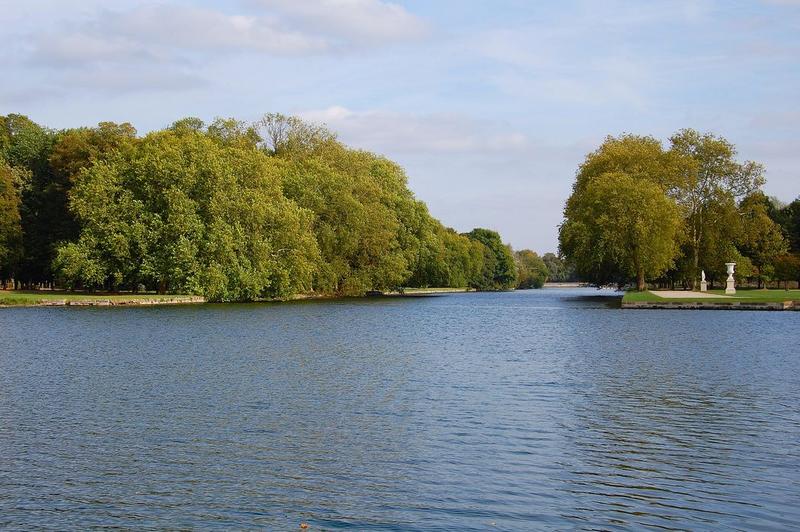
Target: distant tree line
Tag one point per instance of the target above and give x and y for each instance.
(229, 210)
(640, 213)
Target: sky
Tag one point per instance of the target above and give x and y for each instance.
(489, 106)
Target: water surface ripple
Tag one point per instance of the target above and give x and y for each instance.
(530, 410)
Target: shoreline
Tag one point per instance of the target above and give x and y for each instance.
(744, 299)
(713, 305)
(60, 299)
(107, 302)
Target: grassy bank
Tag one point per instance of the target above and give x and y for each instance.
(31, 298)
(34, 298)
(743, 295)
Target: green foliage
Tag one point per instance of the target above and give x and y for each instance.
(640, 157)
(558, 270)
(532, 272)
(619, 225)
(759, 238)
(230, 210)
(619, 228)
(186, 214)
(10, 228)
(364, 218)
(787, 268)
(602, 236)
(499, 270)
(788, 217)
(709, 176)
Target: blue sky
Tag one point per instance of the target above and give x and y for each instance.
(490, 106)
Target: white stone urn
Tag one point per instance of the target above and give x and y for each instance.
(730, 287)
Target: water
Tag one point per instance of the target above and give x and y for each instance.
(516, 411)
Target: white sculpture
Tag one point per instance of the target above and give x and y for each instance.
(729, 283)
(703, 283)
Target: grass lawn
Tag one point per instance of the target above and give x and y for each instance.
(752, 295)
(35, 297)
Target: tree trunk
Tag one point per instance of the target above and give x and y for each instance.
(640, 286)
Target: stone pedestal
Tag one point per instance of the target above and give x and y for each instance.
(730, 287)
(703, 286)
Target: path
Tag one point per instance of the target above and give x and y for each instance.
(682, 294)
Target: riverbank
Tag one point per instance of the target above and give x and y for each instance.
(31, 298)
(744, 299)
(47, 298)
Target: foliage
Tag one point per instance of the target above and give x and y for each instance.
(787, 268)
(532, 272)
(760, 238)
(187, 214)
(788, 217)
(620, 228)
(709, 176)
(558, 270)
(723, 216)
(10, 228)
(640, 157)
(499, 270)
(229, 210)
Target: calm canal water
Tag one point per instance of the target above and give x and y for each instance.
(530, 410)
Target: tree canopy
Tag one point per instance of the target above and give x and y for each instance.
(639, 212)
(532, 272)
(228, 210)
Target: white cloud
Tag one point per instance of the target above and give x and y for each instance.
(163, 32)
(169, 45)
(167, 33)
(193, 28)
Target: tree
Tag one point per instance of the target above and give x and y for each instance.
(787, 268)
(760, 239)
(499, 269)
(232, 132)
(10, 228)
(185, 213)
(619, 228)
(532, 272)
(288, 135)
(640, 157)
(708, 174)
(788, 217)
(230, 210)
(43, 209)
(557, 269)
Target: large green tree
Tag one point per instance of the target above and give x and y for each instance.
(708, 175)
(10, 228)
(43, 208)
(615, 239)
(759, 238)
(184, 212)
(788, 217)
(618, 228)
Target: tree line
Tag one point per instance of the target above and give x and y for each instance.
(641, 213)
(230, 210)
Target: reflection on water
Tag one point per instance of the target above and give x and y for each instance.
(536, 409)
